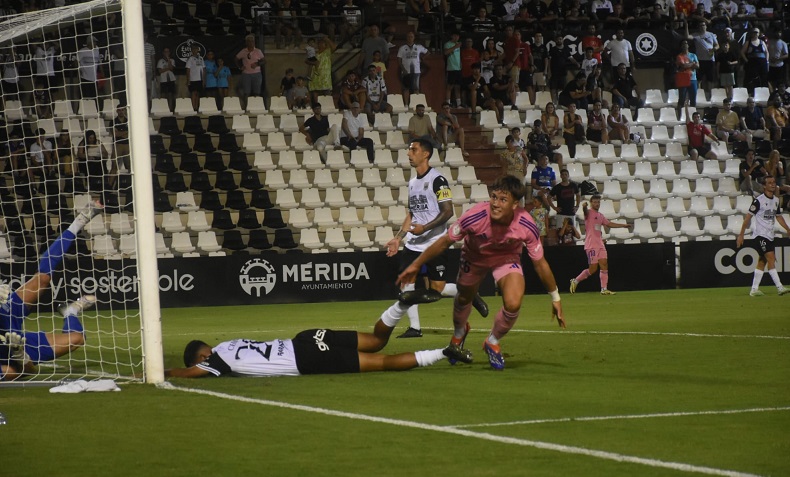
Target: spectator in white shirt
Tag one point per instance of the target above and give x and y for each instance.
(409, 59)
(196, 71)
(352, 131)
(89, 60)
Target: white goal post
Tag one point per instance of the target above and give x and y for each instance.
(46, 154)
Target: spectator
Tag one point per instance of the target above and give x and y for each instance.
(595, 86)
(167, 79)
(540, 58)
(196, 71)
(93, 158)
(120, 132)
(781, 93)
(89, 60)
(755, 54)
(223, 82)
(264, 14)
(619, 18)
(777, 52)
(482, 23)
(420, 126)
(41, 160)
(706, 45)
(684, 9)
(625, 91)
(9, 86)
(352, 131)
(620, 51)
(752, 172)
(376, 91)
(42, 100)
(310, 52)
(618, 125)
(381, 67)
(65, 158)
(728, 125)
(210, 80)
(300, 96)
(686, 76)
(470, 56)
(697, 132)
(351, 22)
(503, 90)
(589, 62)
(539, 144)
(333, 12)
(753, 120)
(287, 17)
(777, 120)
(372, 43)
(596, 124)
(568, 234)
(249, 60)
(321, 78)
(572, 129)
(726, 65)
(559, 57)
(352, 91)
(775, 168)
(575, 92)
(520, 142)
(511, 45)
(550, 122)
(44, 59)
(568, 197)
(512, 160)
(729, 7)
(317, 131)
(286, 87)
(149, 53)
(409, 58)
(540, 214)
(452, 50)
(448, 126)
(479, 94)
(592, 40)
(543, 179)
(525, 66)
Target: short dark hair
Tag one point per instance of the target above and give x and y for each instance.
(511, 184)
(315, 105)
(192, 351)
(425, 145)
(595, 196)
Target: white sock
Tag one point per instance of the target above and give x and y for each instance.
(758, 277)
(393, 314)
(429, 357)
(450, 290)
(492, 339)
(414, 317)
(78, 224)
(775, 277)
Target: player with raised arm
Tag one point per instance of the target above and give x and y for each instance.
(494, 234)
(20, 350)
(594, 247)
(430, 207)
(316, 351)
(765, 210)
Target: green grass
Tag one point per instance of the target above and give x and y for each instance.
(631, 354)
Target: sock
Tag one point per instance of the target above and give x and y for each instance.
(72, 323)
(460, 318)
(604, 279)
(758, 277)
(775, 277)
(429, 357)
(393, 314)
(414, 317)
(450, 290)
(493, 339)
(79, 223)
(54, 254)
(503, 322)
(584, 275)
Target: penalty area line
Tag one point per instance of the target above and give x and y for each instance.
(625, 416)
(611, 456)
(637, 333)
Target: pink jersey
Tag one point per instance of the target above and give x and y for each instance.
(489, 244)
(593, 226)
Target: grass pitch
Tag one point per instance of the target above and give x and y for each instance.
(656, 383)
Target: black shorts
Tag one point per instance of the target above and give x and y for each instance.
(453, 77)
(763, 246)
(195, 86)
(524, 80)
(167, 87)
(702, 150)
(436, 268)
(594, 135)
(326, 352)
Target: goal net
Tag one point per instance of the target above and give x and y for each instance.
(70, 137)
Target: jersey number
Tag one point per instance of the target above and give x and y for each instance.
(253, 345)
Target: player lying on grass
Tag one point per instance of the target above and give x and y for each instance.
(316, 351)
(494, 234)
(20, 350)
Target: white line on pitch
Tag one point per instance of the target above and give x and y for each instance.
(477, 435)
(627, 416)
(642, 333)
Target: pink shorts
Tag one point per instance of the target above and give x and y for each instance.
(596, 254)
(470, 275)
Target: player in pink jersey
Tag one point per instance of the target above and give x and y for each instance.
(594, 222)
(494, 235)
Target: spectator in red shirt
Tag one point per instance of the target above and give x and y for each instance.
(525, 68)
(697, 133)
(469, 56)
(684, 8)
(511, 46)
(594, 41)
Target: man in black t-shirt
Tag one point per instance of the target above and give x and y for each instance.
(317, 131)
(567, 196)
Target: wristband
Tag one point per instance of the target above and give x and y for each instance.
(555, 295)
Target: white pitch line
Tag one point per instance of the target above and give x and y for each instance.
(638, 333)
(626, 416)
(477, 435)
